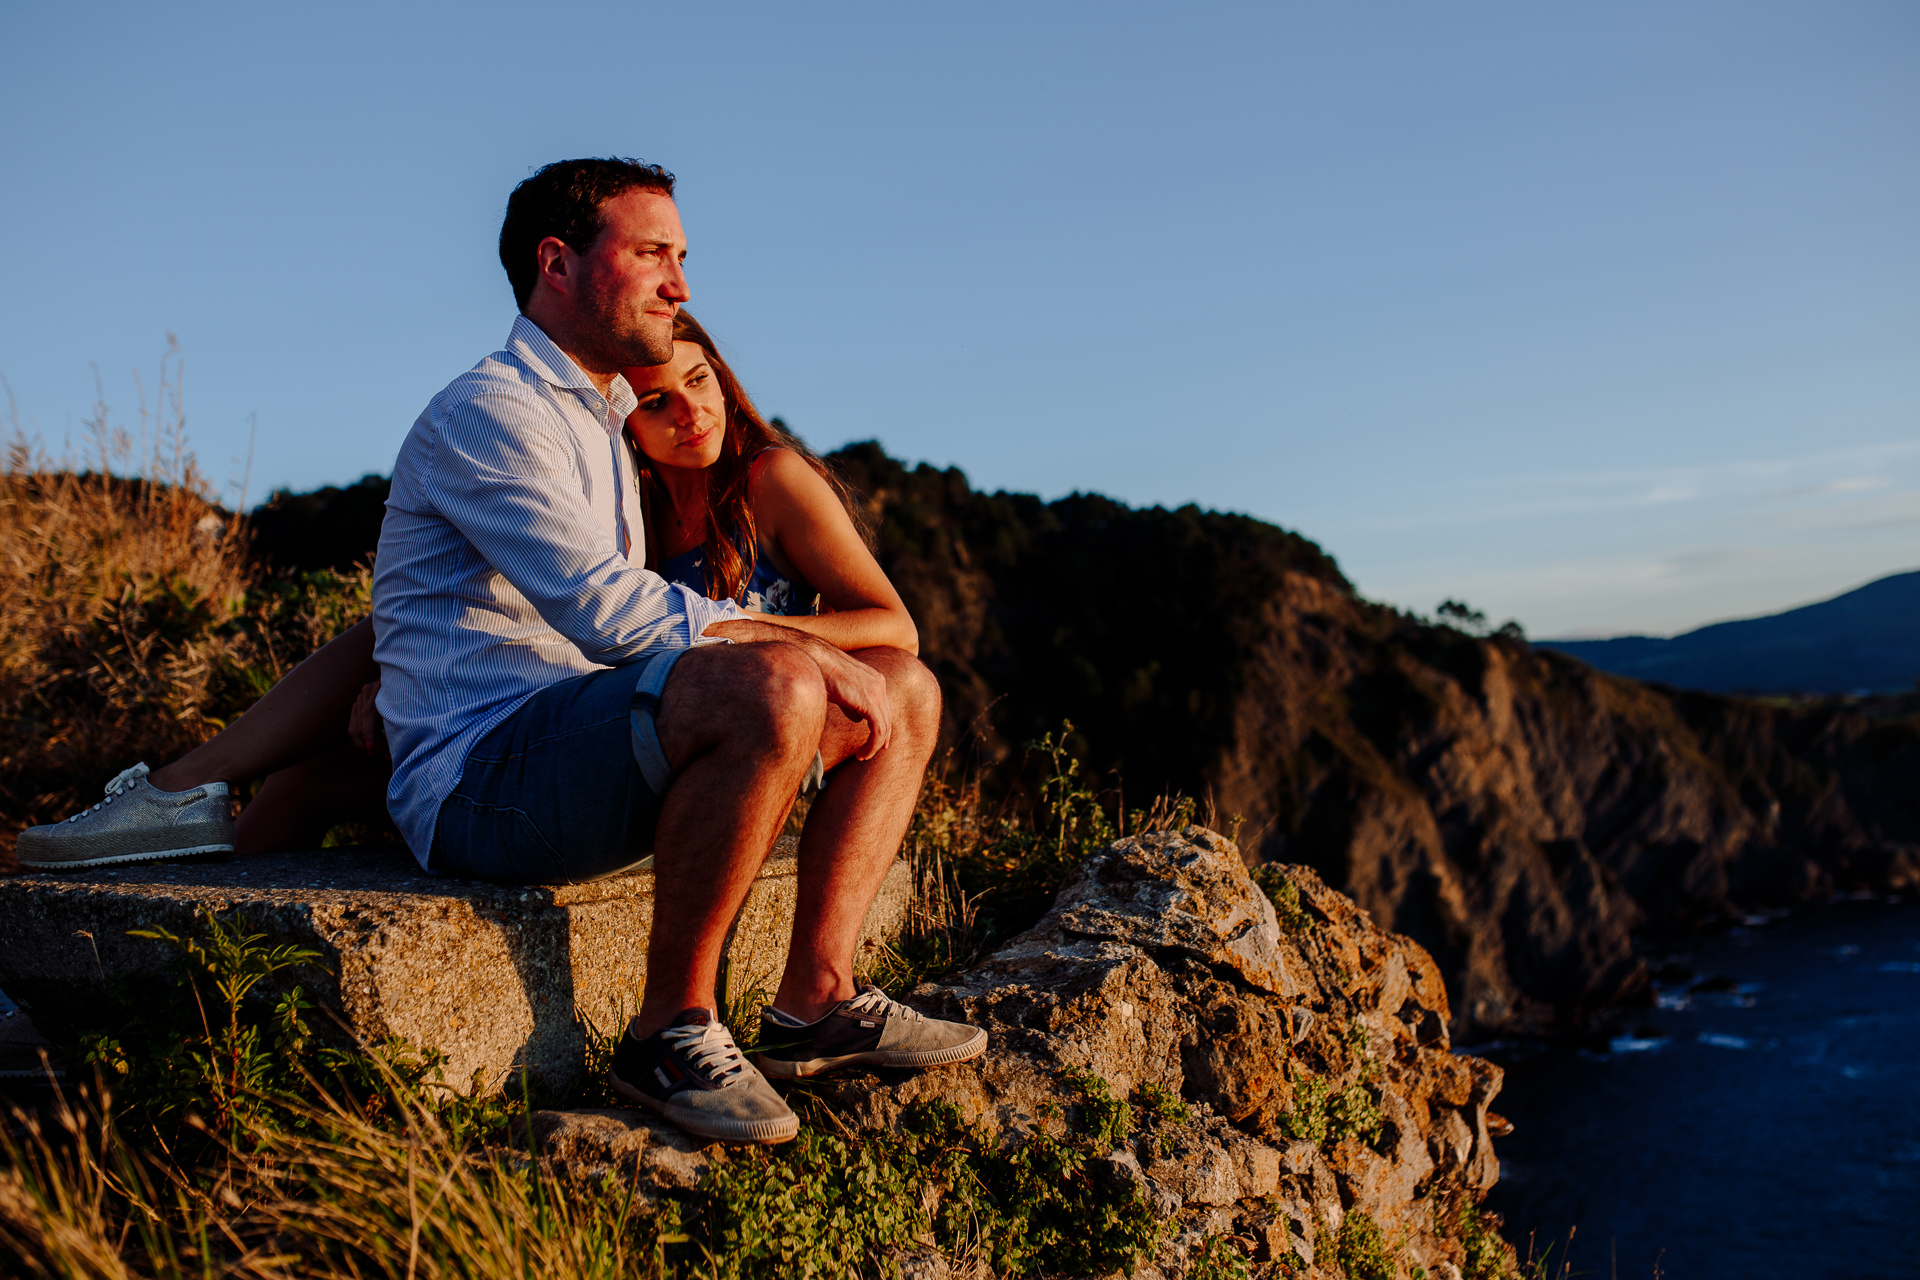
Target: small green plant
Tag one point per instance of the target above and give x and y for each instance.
(1220, 1257)
(1056, 1218)
(1164, 1108)
(1353, 1113)
(1319, 1115)
(1105, 1119)
(1362, 1249)
(1488, 1257)
(1308, 1119)
(208, 1042)
(1162, 1103)
(1284, 894)
(820, 1207)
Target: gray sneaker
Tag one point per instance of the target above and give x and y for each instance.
(692, 1073)
(137, 822)
(867, 1029)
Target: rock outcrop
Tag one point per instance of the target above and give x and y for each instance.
(1290, 1071)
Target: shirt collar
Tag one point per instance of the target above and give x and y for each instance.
(531, 344)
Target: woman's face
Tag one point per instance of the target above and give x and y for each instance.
(682, 418)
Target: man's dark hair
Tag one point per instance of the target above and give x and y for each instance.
(564, 200)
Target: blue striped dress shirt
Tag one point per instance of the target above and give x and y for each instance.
(510, 559)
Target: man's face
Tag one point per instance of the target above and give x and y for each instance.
(632, 280)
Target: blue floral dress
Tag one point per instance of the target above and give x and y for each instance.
(767, 590)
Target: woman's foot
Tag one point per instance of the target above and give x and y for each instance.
(137, 822)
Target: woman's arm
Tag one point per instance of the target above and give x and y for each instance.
(800, 514)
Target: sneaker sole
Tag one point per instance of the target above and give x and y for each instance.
(32, 1073)
(702, 1125)
(154, 855)
(776, 1069)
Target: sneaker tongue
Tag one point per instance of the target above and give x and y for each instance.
(693, 1018)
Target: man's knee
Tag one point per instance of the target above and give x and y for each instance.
(768, 695)
(913, 690)
(782, 697)
(920, 697)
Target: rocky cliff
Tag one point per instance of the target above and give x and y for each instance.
(1527, 820)
(1292, 1087)
(1522, 816)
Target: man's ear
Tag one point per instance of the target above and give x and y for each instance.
(555, 261)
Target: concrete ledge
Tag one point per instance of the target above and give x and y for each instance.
(496, 976)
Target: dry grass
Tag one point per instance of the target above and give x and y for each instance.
(406, 1199)
(132, 624)
(985, 869)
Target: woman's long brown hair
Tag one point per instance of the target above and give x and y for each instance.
(732, 539)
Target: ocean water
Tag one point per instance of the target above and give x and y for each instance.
(1762, 1120)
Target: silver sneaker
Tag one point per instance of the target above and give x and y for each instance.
(867, 1029)
(137, 822)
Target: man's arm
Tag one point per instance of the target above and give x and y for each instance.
(852, 685)
(503, 475)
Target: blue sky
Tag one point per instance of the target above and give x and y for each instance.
(1604, 318)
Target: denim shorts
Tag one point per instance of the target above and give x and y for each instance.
(567, 788)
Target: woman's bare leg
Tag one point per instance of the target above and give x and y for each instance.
(298, 805)
(299, 718)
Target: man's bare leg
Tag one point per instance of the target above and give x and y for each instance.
(853, 833)
(740, 725)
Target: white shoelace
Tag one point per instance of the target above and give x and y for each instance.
(874, 1000)
(710, 1049)
(121, 782)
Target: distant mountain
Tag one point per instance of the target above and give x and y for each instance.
(1867, 639)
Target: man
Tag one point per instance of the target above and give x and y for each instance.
(555, 710)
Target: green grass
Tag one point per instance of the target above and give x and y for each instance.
(224, 1134)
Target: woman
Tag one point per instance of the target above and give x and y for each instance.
(736, 508)
(742, 510)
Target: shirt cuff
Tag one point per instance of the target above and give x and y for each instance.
(703, 613)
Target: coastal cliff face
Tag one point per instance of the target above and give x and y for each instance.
(1523, 817)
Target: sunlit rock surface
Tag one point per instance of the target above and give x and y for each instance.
(496, 976)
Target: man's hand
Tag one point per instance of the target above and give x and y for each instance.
(858, 690)
(852, 685)
(364, 725)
